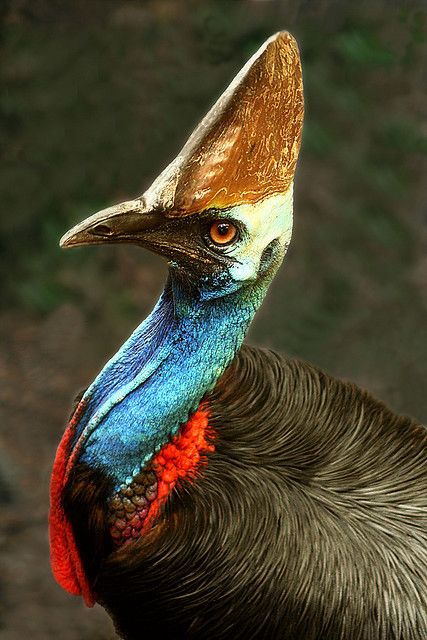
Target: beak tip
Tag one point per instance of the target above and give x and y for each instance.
(70, 239)
(64, 241)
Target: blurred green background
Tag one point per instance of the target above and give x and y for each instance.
(96, 97)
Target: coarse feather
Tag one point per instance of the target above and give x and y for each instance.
(308, 522)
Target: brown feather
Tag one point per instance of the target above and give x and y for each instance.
(309, 521)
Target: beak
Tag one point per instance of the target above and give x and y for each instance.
(129, 222)
(132, 222)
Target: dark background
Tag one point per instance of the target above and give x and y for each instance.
(96, 97)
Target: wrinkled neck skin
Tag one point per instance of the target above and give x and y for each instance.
(160, 375)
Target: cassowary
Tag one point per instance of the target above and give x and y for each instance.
(204, 489)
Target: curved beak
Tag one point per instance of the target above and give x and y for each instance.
(128, 222)
(132, 222)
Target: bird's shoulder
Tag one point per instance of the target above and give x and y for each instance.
(285, 412)
(312, 502)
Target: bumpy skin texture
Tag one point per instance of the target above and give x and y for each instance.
(309, 521)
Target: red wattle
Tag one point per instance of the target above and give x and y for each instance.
(64, 557)
(178, 459)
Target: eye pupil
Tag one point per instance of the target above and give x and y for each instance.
(222, 232)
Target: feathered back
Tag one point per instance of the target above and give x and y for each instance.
(309, 520)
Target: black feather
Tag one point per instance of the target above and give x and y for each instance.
(308, 523)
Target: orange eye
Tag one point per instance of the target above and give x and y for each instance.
(222, 232)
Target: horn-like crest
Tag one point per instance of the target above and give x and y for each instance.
(246, 147)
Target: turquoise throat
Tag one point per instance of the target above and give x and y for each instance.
(159, 376)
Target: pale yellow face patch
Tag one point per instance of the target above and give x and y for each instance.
(264, 221)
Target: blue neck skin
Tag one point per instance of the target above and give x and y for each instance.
(159, 376)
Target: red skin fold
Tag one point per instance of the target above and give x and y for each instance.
(178, 459)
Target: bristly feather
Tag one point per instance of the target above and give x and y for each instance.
(308, 522)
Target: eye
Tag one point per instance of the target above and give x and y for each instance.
(222, 232)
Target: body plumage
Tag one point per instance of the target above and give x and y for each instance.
(307, 522)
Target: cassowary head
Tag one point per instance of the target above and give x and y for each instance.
(221, 212)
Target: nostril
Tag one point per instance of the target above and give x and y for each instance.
(102, 230)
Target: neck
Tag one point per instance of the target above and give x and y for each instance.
(160, 375)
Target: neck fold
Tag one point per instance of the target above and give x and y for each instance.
(158, 378)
